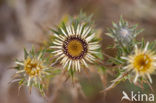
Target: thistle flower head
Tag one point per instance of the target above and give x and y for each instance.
(33, 69)
(75, 45)
(122, 32)
(142, 62)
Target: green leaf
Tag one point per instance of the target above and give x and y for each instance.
(54, 31)
(25, 53)
(71, 71)
(21, 81)
(114, 25)
(110, 35)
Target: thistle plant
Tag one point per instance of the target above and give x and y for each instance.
(142, 62)
(130, 59)
(75, 43)
(33, 70)
(123, 33)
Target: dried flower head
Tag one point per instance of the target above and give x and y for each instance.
(75, 44)
(32, 70)
(142, 62)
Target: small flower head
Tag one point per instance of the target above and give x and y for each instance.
(122, 32)
(142, 62)
(32, 70)
(75, 44)
(33, 67)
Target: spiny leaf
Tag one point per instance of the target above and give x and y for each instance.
(25, 53)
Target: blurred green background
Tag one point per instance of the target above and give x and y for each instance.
(24, 23)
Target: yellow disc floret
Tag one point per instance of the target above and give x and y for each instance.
(32, 67)
(142, 62)
(75, 48)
